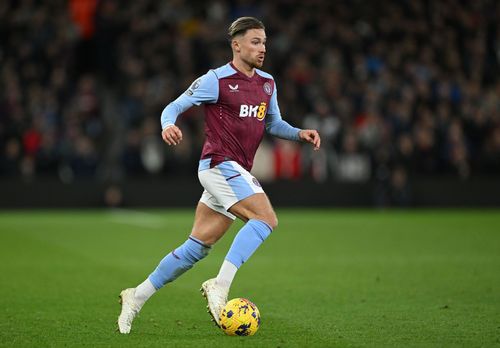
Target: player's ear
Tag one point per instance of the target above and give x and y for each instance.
(235, 44)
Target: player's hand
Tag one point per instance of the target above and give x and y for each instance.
(311, 136)
(172, 135)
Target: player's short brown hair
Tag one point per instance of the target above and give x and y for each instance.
(242, 24)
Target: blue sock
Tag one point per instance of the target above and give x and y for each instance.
(178, 261)
(248, 239)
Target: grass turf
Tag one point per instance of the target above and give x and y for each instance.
(325, 278)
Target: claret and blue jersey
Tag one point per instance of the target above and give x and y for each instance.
(238, 109)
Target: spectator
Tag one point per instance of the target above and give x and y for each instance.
(416, 80)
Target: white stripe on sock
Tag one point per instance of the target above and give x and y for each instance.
(226, 274)
(144, 291)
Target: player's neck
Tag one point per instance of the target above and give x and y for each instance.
(243, 67)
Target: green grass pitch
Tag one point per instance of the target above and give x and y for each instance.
(325, 278)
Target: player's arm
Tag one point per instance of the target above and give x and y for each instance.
(203, 90)
(276, 126)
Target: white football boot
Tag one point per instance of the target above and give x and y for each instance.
(130, 308)
(216, 296)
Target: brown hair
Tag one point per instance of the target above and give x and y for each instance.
(242, 24)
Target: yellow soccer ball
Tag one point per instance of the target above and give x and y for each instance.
(240, 317)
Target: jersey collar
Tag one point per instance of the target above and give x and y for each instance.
(242, 75)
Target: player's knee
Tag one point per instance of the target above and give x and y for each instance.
(209, 241)
(272, 220)
(205, 238)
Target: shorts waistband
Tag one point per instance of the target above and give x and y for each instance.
(212, 161)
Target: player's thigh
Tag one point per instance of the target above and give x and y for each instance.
(227, 184)
(209, 225)
(231, 186)
(256, 206)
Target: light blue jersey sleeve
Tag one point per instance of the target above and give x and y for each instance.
(203, 90)
(275, 125)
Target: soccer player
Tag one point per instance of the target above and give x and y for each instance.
(240, 104)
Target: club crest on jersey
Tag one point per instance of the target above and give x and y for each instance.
(258, 111)
(267, 88)
(233, 88)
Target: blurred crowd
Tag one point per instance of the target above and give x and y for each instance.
(396, 88)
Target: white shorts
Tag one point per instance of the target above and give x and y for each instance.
(225, 185)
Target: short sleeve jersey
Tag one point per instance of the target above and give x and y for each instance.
(236, 107)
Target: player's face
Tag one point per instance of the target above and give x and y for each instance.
(252, 47)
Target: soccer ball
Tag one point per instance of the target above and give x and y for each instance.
(240, 317)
